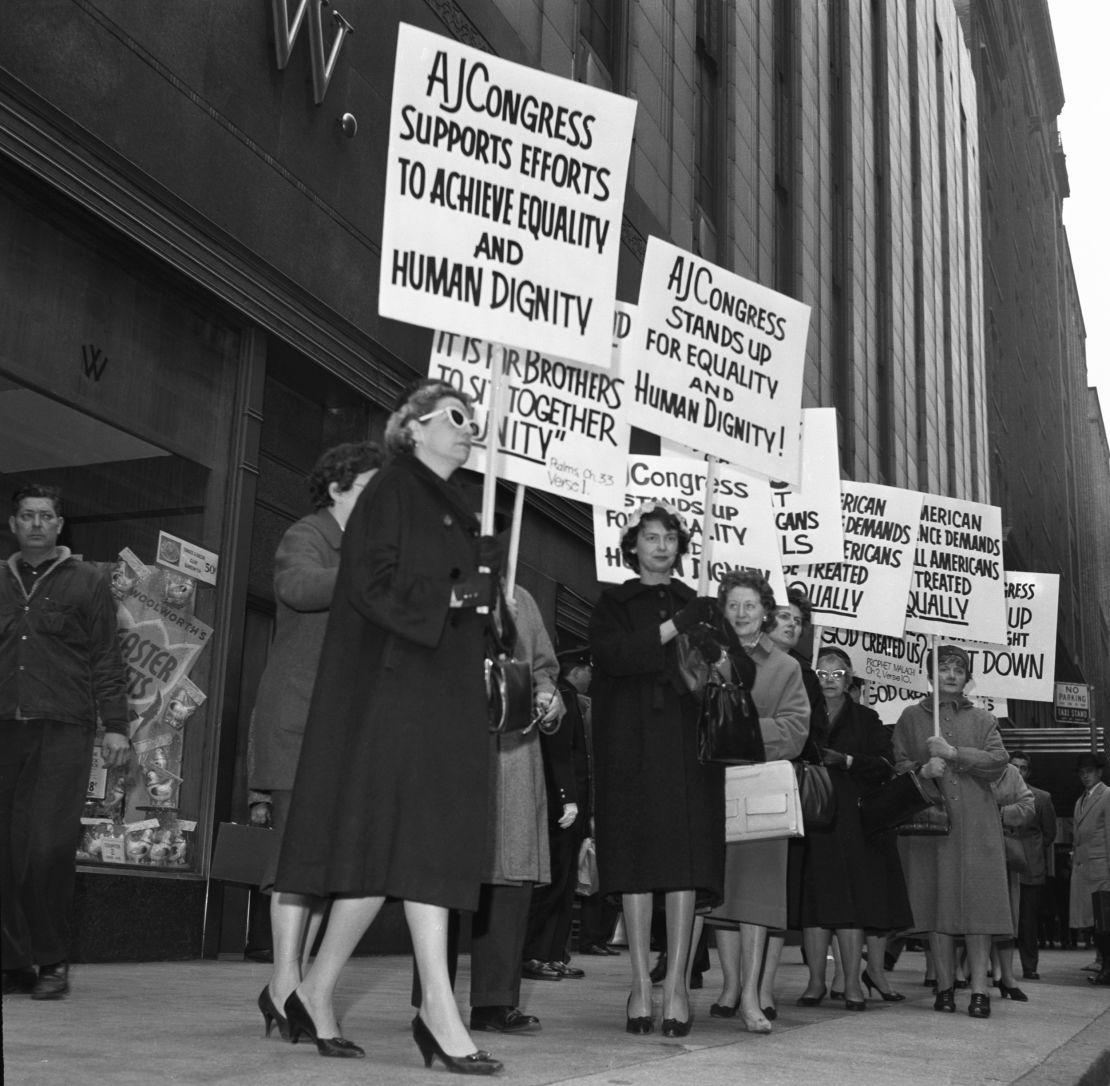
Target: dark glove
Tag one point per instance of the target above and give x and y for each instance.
(701, 639)
(834, 757)
(491, 555)
(702, 609)
(474, 591)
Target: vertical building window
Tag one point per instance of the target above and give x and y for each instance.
(599, 59)
(975, 396)
(947, 361)
(707, 135)
(784, 146)
(841, 262)
(922, 395)
(884, 286)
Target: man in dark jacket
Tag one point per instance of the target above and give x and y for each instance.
(1036, 839)
(60, 668)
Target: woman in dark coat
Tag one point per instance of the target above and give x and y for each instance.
(390, 798)
(851, 884)
(305, 569)
(659, 812)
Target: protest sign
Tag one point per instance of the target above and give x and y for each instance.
(867, 589)
(1023, 668)
(744, 535)
(565, 430)
(808, 518)
(958, 587)
(877, 658)
(716, 362)
(889, 701)
(504, 199)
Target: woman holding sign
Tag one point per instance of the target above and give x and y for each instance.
(390, 797)
(956, 882)
(755, 871)
(659, 812)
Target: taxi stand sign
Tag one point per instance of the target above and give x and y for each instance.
(1072, 703)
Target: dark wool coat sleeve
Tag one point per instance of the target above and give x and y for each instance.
(390, 795)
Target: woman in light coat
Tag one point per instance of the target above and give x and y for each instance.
(957, 883)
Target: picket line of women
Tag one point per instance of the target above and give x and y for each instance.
(390, 797)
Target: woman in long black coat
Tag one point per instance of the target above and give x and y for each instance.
(390, 797)
(851, 884)
(659, 812)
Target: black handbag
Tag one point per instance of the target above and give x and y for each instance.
(818, 796)
(900, 799)
(728, 730)
(508, 682)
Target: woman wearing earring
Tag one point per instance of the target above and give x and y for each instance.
(957, 883)
(659, 812)
(852, 885)
(755, 871)
(390, 797)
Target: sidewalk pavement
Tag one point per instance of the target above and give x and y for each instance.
(197, 1023)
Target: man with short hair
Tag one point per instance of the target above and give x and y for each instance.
(1036, 840)
(60, 669)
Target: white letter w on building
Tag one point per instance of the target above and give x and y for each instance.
(285, 34)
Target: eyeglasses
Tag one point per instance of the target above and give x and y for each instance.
(29, 516)
(456, 416)
(838, 674)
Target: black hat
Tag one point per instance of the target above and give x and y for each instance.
(576, 657)
(1089, 761)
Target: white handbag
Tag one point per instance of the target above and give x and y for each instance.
(762, 802)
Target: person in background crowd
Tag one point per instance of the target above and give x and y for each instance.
(756, 871)
(60, 669)
(852, 884)
(1016, 808)
(305, 567)
(391, 793)
(566, 767)
(1090, 874)
(660, 812)
(956, 883)
(1036, 841)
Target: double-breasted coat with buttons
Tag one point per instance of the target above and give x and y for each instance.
(660, 813)
(957, 884)
(390, 796)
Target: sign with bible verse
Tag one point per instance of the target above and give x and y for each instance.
(716, 363)
(1024, 666)
(808, 517)
(876, 658)
(958, 588)
(565, 430)
(504, 199)
(867, 589)
(744, 535)
(890, 701)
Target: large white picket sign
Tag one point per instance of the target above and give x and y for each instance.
(744, 531)
(958, 588)
(878, 659)
(867, 589)
(808, 516)
(1023, 668)
(718, 362)
(504, 199)
(566, 428)
(889, 701)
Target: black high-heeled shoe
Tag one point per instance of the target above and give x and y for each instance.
(300, 1021)
(945, 1001)
(477, 1063)
(640, 1025)
(835, 993)
(887, 997)
(1016, 994)
(672, 1027)
(810, 1001)
(271, 1015)
(855, 1005)
(723, 1010)
(770, 1013)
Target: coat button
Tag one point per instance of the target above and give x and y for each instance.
(447, 521)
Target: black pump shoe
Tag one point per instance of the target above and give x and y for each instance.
(271, 1015)
(639, 1025)
(477, 1063)
(300, 1021)
(672, 1027)
(723, 1010)
(810, 1001)
(945, 1001)
(887, 997)
(1016, 994)
(980, 1005)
